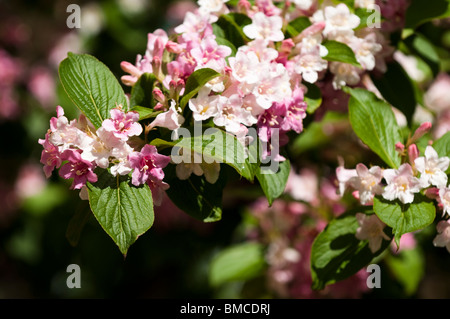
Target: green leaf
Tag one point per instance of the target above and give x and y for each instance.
(273, 185)
(393, 81)
(237, 263)
(374, 122)
(336, 253)
(91, 86)
(195, 196)
(145, 112)
(296, 26)
(424, 49)
(420, 11)
(142, 91)
(340, 52)
(313, 97)
(195, 82)
(232, 26)
(405, 218)
(124, 211)
(442, 145)
(215, 145)
(368, 16)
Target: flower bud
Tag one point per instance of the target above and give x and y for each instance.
(158, 95)
(421, 131)
(413, 153)
(399, 147)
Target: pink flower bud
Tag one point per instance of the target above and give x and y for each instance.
(128, 80)
(159, 95)
(130, 68)
(244, 5)
(173, 47)
(156, 64)
(432, 193)
(421, 131)
(158, 107)
(413, 153)
(287, 45)
(399, 147)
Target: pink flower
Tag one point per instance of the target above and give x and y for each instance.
(123, 125)
(147, 165)
(50, 156)
(437, 97)
(295, 112)
(210, 55)
(157, 187)
(156, 43)
(170, 119)
(371, 229)
(443, 237)
(65, 134)
(401, 184)
(77, 168)
(271, 119)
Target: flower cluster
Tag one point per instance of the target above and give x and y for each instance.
(77, 148)
(421, 174)
(289, 227)
(261, 82)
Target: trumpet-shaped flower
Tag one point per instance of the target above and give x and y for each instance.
(432, 168)
(443, 237)
(444, 196)
(77, 168)
(367, 183)
(123, 125)
(264, 27)
(147, 164)
(401, 184)
(371, 229)
(50, 156)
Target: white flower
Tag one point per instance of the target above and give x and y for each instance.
(339, 20)
(344, 74)
(303, 4)
(243, 66)
(371, 229)
(212, 6)
(432, 168)
(170, 119)
(401, 184)
(204, 106)
(443, 238)
(365, 4)
(344, 176)
(264, 27)
(367, 183)
(309, 65)
(444, 196)
(365, 50)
